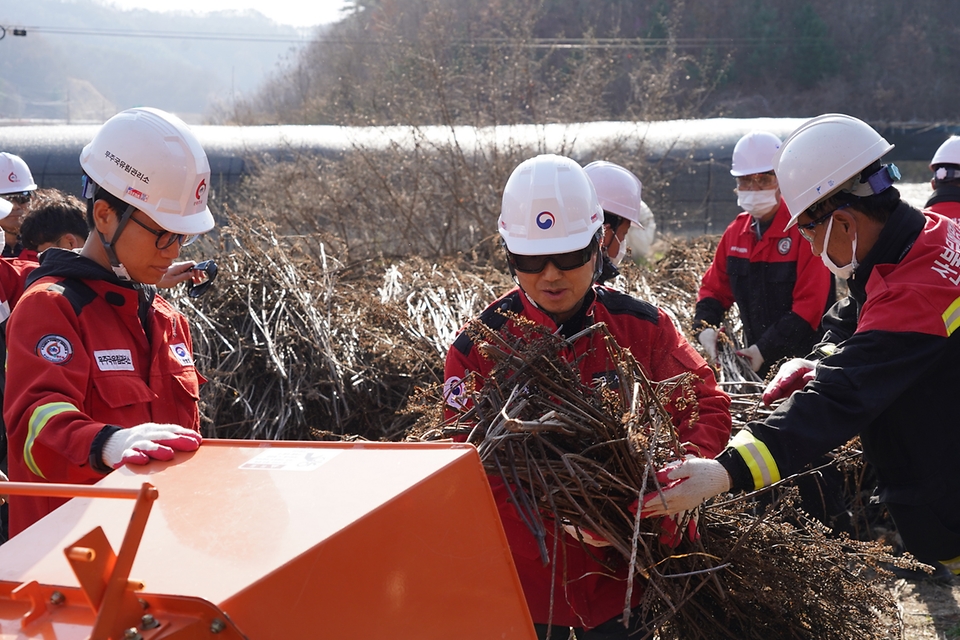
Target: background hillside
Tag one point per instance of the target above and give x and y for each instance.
(488, 61)
(477, 61)
(64, 70)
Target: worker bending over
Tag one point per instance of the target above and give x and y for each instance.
(890, 375)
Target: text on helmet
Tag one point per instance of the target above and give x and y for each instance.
(126, 167)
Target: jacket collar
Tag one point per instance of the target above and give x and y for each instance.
(574, 325)
(944, 193)
(895, 240)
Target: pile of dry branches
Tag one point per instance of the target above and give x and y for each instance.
(580, 455)
(297, 347)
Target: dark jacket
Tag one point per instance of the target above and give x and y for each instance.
(780, 287)
(890, 379)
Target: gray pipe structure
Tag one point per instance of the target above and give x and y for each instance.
(697, 198)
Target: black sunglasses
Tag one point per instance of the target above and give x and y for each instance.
(209, 267)
(563, 261)
(166, 238)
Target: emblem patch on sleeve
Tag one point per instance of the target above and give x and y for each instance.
(114, 360)
(55, 349)
(182, 354)
(455, 393)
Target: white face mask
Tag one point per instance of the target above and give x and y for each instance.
(758, 203)
(617, 259)
(843, 273)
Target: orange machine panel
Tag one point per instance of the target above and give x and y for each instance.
(297, 539)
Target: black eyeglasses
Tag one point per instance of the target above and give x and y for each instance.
(18, 198)
(807, 227)
(165, 238)
(563, 261)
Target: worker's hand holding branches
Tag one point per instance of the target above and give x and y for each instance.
(708, 340)
(148, 441)
(792, 376)
(686, 484)
(753, 356)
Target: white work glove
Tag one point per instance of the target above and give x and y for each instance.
(792, 376)
(588, 537)
(708, 339)
(140, 444)
(686, 484)
(3, 497)
(753, 356)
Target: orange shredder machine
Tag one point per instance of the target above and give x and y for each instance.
(256, 540)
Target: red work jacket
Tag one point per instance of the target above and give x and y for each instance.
(78, 360)
(589, 595)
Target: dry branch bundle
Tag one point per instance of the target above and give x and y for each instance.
(580, 455)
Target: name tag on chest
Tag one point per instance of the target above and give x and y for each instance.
(114, 360)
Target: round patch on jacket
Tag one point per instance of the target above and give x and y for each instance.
(55, 349)
(455, 393)
(784, 246)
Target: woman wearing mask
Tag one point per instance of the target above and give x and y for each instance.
(768, 270)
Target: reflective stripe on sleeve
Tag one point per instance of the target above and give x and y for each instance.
(755, 454)
(41, 416)
(953, 565)
(951, 317)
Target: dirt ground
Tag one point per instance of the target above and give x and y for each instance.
(929, 610)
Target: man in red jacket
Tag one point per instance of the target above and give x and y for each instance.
(945, 165)
(889, 374)
(100, 370)
(550, 222)
(780, 289)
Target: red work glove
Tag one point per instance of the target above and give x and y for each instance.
(140, 444)
(686, 484)
(753, 356)
(792, 376)
(586, 535)
(671, 529)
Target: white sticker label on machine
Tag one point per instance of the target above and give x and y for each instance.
(283, 459)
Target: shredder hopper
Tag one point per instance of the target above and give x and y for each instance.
(257, 540)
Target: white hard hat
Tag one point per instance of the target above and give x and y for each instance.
(823, 156)
(151, 160)
(15, 176)
(754, 153)
(618, 189)
(549, 206)
(948, 153)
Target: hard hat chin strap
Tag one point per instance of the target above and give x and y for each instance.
(118, 268)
